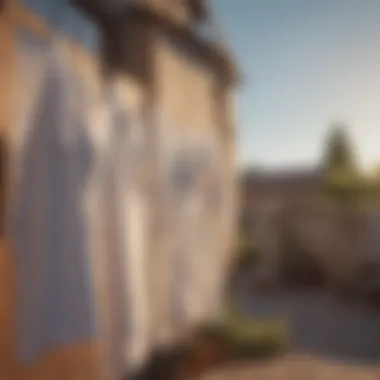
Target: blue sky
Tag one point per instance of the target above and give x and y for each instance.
(306, 63)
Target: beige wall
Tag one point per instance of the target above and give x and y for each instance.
(184, 87)
(177, 10)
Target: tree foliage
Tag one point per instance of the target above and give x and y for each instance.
(339, 152)
(373, 185)
(343, 179)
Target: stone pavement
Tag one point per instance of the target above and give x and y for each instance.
(322, 325)
(297, 367)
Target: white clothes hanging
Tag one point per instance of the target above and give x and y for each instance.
(50, 226)
(186, 161)
(123, 234)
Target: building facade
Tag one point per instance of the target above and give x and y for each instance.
(177, 79)
(290, 211)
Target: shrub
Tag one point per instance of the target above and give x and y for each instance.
(242, 338)
(251, 338)
(245, 259)
(247, 255)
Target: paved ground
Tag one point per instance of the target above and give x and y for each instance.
(323, 326)
(297, 367)
(336, 340)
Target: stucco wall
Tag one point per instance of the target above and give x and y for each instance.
(184, 87)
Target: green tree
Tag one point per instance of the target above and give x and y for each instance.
(343, 179)
(339, 152)
(373, 184)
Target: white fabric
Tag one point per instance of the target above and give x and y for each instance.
(191, 171)
(49, 222)
(123, 234)
(80, 208)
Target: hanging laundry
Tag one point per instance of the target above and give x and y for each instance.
(187, 303)
(210, 268)
(195, 258)
(176, 180)
(208, 263)
(50, 228)
(123, 224)
(163, 236)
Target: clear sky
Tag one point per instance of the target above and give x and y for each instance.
(306, 63)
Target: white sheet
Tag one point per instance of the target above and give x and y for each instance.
(50, 226)
(123, 236)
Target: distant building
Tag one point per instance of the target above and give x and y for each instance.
(287, 188)
(292, 204)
